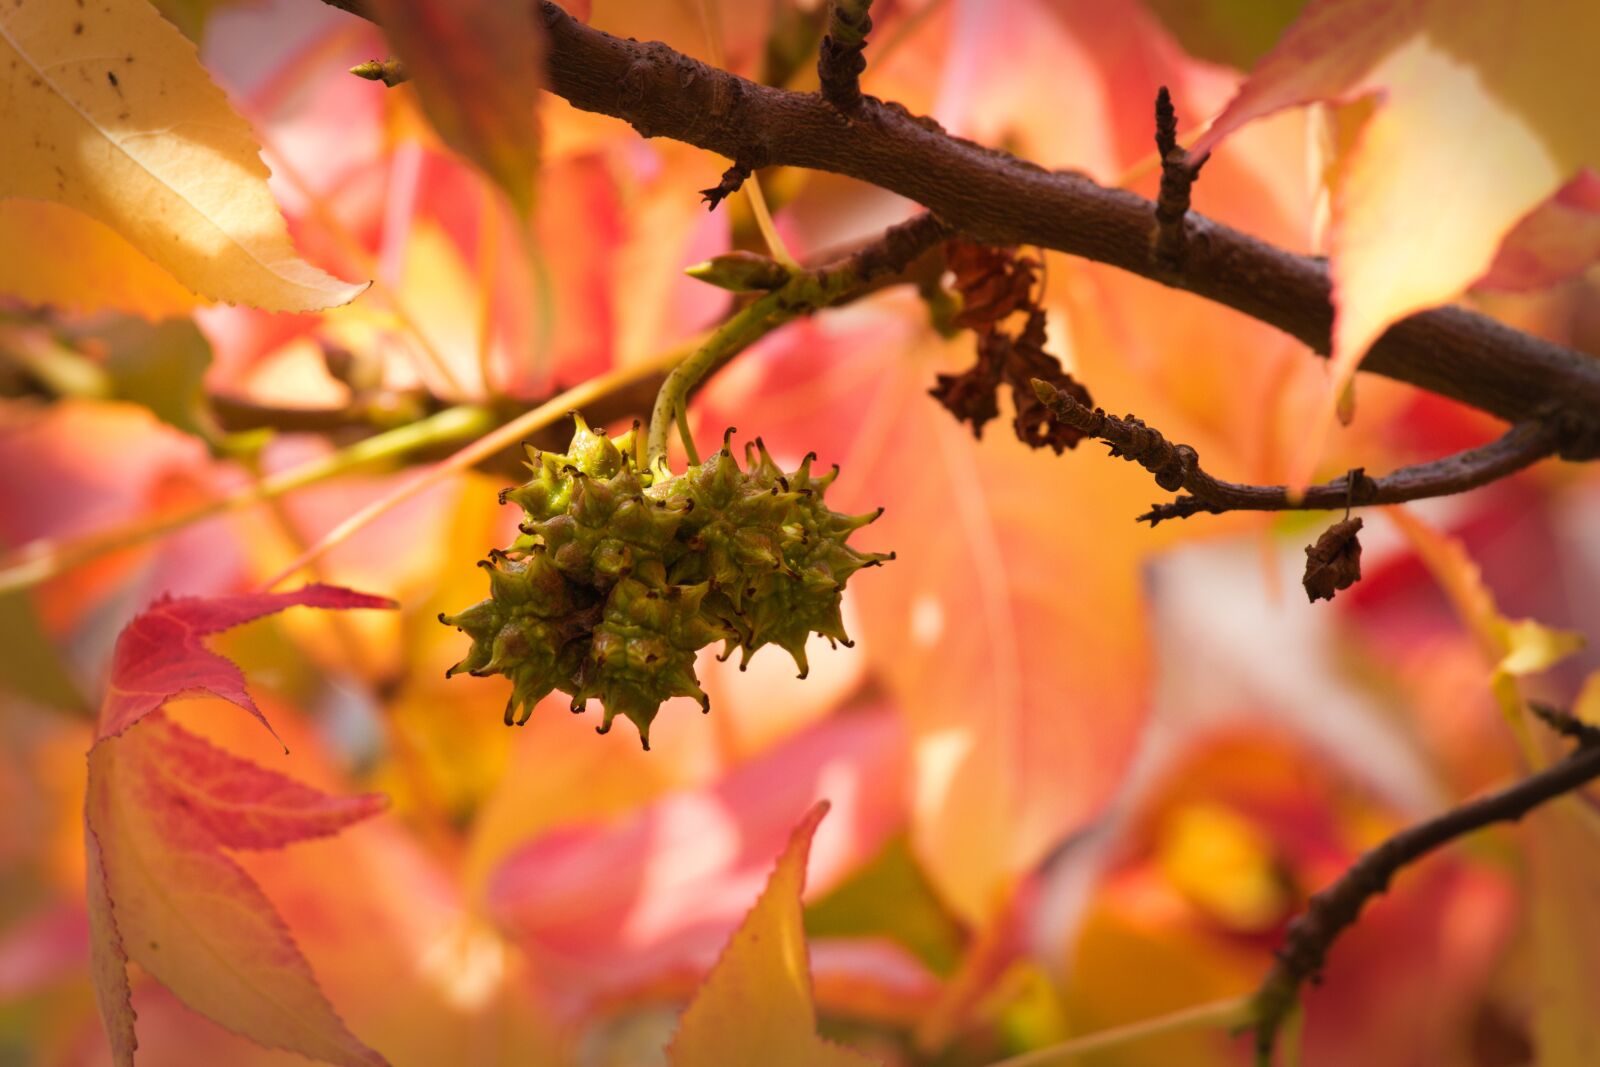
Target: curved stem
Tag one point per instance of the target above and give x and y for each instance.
(686, 434)
(1229, 1013)
(884, 260)
(745, 327)
(42, 560)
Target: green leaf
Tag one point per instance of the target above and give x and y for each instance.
(30, 665)
(161, 366)
(1232, 32)
(890, 897)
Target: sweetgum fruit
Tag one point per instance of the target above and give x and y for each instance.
(620, 576)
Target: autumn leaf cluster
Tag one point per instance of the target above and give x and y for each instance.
(271, 334)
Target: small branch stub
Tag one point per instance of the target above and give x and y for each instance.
(390, 72)
(840, 62)
(732, 178)
(1178, 175)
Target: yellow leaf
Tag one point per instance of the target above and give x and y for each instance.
(1512, 647)
(89, 268)
(107, 110)
(1515, 647)
(1566, 938)
(1532, 647)
(1587, 706)
(756, 1004)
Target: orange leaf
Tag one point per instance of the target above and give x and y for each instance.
(756, 1005)
(1009, 630)
(1474, 128)
(90, 265)
(162, 804)
(476, 64)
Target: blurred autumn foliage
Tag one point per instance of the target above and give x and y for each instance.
(1075, 775)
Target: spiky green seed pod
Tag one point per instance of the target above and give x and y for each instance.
(621, 576)
(608, 530)
(534, 629)
(643, 652)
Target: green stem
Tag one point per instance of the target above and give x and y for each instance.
(804, 292)
(689, 451)
(747, 326)
(43, 560)
(1233, 1012)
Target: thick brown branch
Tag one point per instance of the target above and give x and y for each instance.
(1178, 467)
(1002, 200)
(1334, 909)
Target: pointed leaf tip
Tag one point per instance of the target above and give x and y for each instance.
(756, 1005)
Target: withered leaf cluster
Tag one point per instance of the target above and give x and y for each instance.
(996, 284)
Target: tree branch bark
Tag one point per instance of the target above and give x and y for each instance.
(1000, 199)
(1177, 466)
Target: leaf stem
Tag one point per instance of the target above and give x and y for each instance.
(45, 559)
(558, 407)
(1232, 1012)
(744, 328)
(876, 263)
(769, 230)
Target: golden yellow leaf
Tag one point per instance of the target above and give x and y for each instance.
(1587, 706)
(1515, 647)
(1532, 647)
(1566, 937)
(107, 110)
(89, 267)
(756, 1004)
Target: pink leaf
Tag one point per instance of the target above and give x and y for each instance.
(162, 805)
(159, 655)
(476, 64)
(614, 906)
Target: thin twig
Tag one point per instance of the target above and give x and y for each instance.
(487, 445)
(41, 560)
(1335, 908)
(1177, 467)
(1219, 1014)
